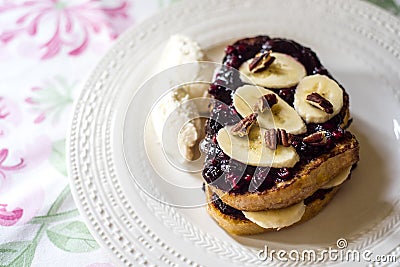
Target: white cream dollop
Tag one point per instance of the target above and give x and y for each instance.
(180, 50)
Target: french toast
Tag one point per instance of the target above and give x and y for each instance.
(235, 223)
(277, 140)
(307, 179)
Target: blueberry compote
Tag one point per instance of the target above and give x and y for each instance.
(230, 175)
(226, 209)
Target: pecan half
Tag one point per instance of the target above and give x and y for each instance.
(275, 137)
(266, 102)
(271, 138)
(261, 62)
(320, 102)
(243, 127)
(285, 138)
(316, 139)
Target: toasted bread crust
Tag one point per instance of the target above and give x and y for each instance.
(306, 181)
(238, 226)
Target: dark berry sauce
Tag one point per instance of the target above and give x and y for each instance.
(226, 209)
(319, 194)
(230, 175)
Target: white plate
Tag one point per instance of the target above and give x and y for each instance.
(358, 43)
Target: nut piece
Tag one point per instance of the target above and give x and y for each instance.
(266, 102)
(243, 127)
(261, 62)
(316, 139)
(275, 137)
(320, 102)
(284, 137)
(271, 138)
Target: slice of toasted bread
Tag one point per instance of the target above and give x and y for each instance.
(239, 226)
(308, 179)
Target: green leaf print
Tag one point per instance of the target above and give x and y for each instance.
(57, 157)
(73, 237)
(389, 5)
(51, 100)
(67, 236)
(17, 254)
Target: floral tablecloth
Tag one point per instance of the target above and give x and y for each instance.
(47, 48)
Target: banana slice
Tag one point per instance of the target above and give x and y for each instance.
(281, 115)
(252, 150)
(277, 218)
(284, 72)
(338, 180)
(325, 87)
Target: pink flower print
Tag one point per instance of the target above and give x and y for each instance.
(24, 194)
(3, 109)
(9, 218)
(8, 168)
(4, 113)
(35, 152)
(9, 111)
(10, 117)
(4, 54)
(62, 23)
(24, 156)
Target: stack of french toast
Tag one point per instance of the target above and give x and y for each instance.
(278, 146)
